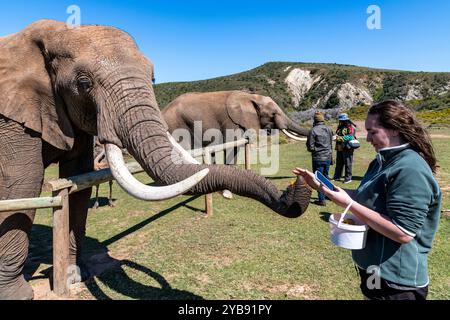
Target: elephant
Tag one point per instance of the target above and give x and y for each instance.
(227, 110)
(59, 87)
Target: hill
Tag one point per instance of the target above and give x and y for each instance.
(302, 88)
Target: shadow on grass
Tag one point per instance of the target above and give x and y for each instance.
(150, 220)
(354, 178)
(118, 280)
(325, 216)
(280, 178)
(102, 202)
(105, 268)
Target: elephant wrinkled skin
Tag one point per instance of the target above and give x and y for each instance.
(58, 88)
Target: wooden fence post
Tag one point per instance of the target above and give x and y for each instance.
(61, 240)
(208, 197)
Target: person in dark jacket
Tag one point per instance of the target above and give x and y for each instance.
(320, 144)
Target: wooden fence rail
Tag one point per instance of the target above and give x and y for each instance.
(62, 188)
(27, 204)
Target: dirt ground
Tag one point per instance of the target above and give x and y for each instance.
(97, 264)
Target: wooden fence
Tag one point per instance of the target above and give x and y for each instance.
(62, 188)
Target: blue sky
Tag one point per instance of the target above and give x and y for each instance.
(194, 40)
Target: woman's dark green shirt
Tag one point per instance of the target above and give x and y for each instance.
(400, 185)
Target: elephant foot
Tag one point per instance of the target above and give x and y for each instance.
(19, 290)
(112, 203)
(227, 194)
(77, 273)
(96, 205)
(295, 200)
(82, 273)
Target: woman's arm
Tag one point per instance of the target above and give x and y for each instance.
(378, 222)
(343, 198)
(351, 192)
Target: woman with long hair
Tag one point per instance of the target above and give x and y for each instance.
(399, 199)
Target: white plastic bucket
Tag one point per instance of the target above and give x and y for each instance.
(352, 237)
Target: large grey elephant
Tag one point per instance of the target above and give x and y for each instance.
(61, 86)
(226, 110)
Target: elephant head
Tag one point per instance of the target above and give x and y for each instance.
(254, 111)
(57, 81)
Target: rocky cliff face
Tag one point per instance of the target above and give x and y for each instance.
(299, 82)
(303, 88)
(354, 92)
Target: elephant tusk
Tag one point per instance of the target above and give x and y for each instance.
(186, 156)
(140, 191)
(292, 136)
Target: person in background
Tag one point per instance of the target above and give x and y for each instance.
(399, 199)
(344, 157)
(320, 144)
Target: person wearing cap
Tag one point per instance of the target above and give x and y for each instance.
(320, 144)
(344, 158)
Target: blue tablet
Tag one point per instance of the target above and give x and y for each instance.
(323, 180)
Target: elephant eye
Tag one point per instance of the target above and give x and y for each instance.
(84, 83)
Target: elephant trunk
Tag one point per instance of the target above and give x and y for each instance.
(295, 132)
(144, 134)
(295, 128)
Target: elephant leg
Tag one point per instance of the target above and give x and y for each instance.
(235, 157)
(78, 162)
(232, 156)
(21, 176)
(230, 159)
(111, 201)
(96, 204)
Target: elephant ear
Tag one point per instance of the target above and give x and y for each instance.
(26, 92)
(243, 110)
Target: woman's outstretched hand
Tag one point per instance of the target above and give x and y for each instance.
(338, 196)
(308, 176)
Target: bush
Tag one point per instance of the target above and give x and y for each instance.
(435, 116)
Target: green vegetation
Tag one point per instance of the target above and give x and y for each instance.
(269, 79)
(430, 111)
(435, 117)
(431, 103)
(244, 251)
(358, 113)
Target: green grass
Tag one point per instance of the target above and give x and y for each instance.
(244, 251)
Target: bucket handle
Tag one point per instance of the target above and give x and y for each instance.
(344, 214)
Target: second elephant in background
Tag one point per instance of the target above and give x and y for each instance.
(226, 110)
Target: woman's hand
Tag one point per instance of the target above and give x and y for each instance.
(308, 176)
(339, 196)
